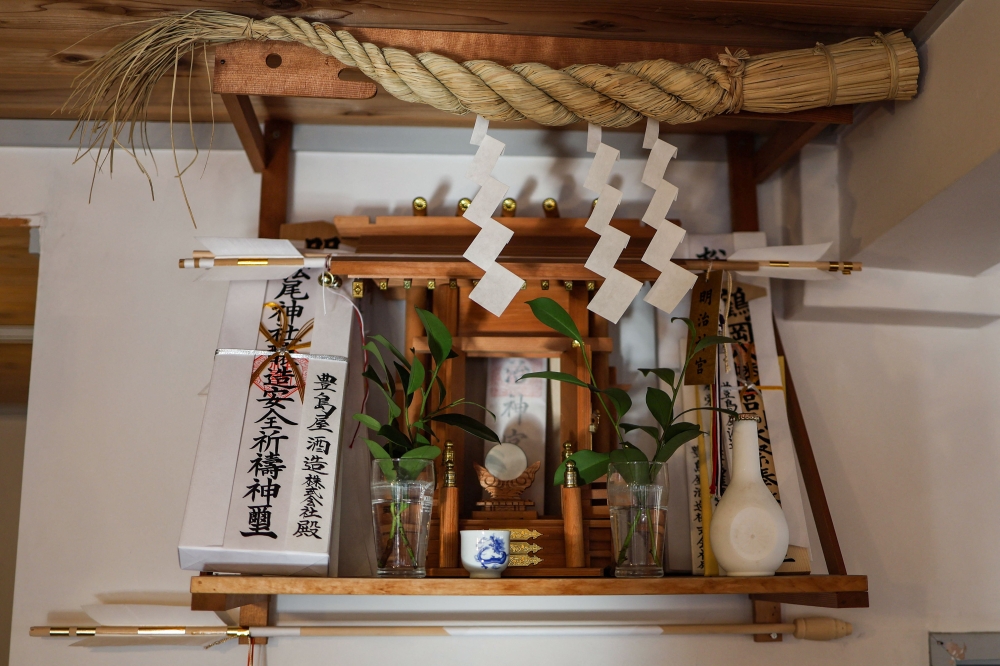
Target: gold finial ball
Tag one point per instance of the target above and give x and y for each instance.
(509, 205)
(549, 204)
(328, 279)
(593, 204)
(464, 203)
(419, 204)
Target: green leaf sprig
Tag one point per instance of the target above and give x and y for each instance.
(402, 437)
(669, 434)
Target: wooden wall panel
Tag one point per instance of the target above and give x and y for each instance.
(18, 286)
(475, 320)
(15, 369)
(18, 274)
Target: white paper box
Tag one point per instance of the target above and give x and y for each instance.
(269, 473)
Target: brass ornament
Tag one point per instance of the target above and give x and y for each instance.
(523, 560)
(506, 490)
(523, 548)
(330, 281)
(521, 534)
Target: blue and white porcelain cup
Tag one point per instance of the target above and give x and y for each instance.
(485, 553)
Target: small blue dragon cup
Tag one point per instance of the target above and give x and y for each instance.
(485, 553)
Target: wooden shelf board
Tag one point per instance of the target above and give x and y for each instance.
(670, 585)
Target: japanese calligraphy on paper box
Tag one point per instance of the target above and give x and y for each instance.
(268, 473)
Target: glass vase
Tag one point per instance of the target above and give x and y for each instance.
(402, 495)
(637, 500)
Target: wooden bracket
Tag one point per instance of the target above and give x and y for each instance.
(275, 69)
(255, 614)
(766, 612)
(282, 69)
(247, 127)
(782, 146)
(274, 182)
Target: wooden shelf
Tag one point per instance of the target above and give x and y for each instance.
(827, 591)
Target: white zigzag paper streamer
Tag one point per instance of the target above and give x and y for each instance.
(674, 282)
(498, 286)
(618, 289)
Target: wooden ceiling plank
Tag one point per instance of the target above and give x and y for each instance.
(782, 146)
(772, 24)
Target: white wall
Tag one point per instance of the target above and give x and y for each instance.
(123, 345)
(907, 153)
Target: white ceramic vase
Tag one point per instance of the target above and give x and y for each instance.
(749, 532)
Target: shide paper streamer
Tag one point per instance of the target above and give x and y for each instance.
(618, 289)
(498, 286)
(674, 282)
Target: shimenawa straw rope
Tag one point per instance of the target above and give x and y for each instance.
(116, 88)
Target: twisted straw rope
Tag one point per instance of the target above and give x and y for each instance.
(607, 96)
(857, 70)
(115, 90)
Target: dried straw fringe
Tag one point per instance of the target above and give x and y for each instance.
(116, 89)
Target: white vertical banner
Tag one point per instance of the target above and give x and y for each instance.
(674, 282)
(498, 286)
(618, 289)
